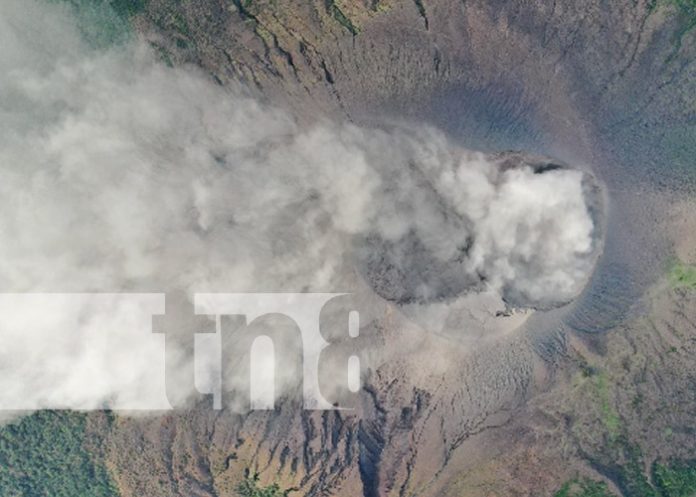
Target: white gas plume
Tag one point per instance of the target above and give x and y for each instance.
(121, 174)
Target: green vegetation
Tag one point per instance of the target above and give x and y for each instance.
(610, 418)
(618, 457)
(623, 463)
(342, 19)
(380, 6)
(102, 22)
(584, 488)
(683, 276)
(676, 480)
(686, 10)
(630, 476)
(250, 488)
(128, 7)
(123, 8)
(179, 23)
(244, 7)
(599, 390)
(44, 455)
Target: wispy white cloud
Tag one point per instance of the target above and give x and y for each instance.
(118, 173)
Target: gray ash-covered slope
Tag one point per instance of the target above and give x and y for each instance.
(407, 432)
(500, 73)
(616, 406)
(608, 85)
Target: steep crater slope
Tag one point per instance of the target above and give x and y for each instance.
(606, 86)
(609, 87)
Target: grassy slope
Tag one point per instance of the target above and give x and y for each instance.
(683, 276)
(251, 488)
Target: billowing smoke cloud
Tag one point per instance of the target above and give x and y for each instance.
(118, 173)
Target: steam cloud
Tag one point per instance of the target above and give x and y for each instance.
(119, 173)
